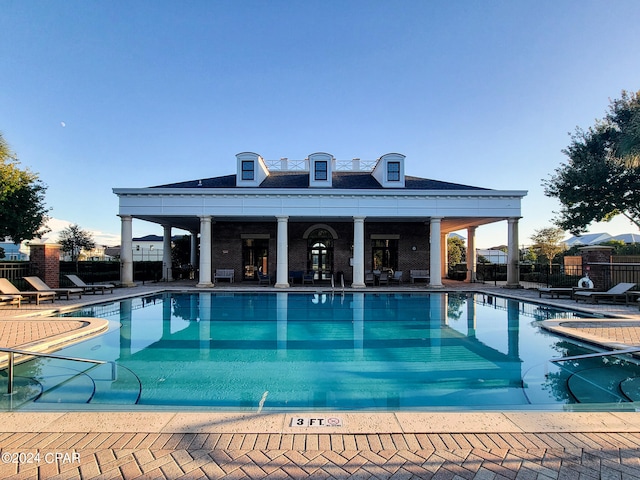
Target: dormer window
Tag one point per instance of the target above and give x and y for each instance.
(321, 166)
(320, 170)
(251, 170)
(389, 170)
(248, 170)
(393, 171)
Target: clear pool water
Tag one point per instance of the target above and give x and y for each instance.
(297, 351)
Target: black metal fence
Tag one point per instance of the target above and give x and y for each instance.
(14, 271)
(603, 275)
(97, 272)
(90, 272)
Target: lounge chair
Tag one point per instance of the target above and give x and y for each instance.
(557, 292)
(40, 286)
(10, 300)
(8, 288)
(618, 291)
(99, 287)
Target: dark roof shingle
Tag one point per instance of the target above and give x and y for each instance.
(340, 180)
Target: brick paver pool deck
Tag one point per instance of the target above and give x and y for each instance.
(192, 445)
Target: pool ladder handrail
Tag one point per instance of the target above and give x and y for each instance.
(608, 353)
(12, 351)
(333, 282)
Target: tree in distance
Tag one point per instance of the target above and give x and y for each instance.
(601, 178)
(73, 240)
(547, 242)
(22, 212)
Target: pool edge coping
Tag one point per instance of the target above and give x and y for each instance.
(353, 423)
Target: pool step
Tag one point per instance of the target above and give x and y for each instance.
(116, 385)
(63, 382)
(600, 385)
(25, 390)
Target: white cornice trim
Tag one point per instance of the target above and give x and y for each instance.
(305, 192)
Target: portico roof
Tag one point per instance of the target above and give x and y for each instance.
(341, 180)
(290, 193)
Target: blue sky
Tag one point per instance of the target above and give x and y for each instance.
(96, 95)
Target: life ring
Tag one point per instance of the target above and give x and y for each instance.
(585, 282)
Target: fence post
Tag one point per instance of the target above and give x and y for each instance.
(601, 277)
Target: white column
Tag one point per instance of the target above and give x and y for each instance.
(444, 255)
(193, 255)
(358, 252)
(513, 255)
(282, 260)
(126, 251)
(205, 252)
(435, 250)
(471, 254)
(167, 274)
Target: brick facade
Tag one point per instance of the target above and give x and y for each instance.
(591, 257)
(44, 262)
(227, 242)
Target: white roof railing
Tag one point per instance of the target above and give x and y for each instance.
(289, 165)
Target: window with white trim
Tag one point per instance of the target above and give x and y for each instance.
(320, 170)
(393, 171)
(248, 171)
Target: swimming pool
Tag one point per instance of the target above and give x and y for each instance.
(325, 351)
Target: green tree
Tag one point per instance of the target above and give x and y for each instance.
(625, 116)
(547, 242)
(181, 251)
(602, 176)
(22, 212)
(73, 240)
(529, 255)
(456, 250)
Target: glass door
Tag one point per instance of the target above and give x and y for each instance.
(255, 258)
(320, 254)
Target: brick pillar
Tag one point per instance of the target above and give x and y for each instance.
(596, 262)
(44, 262)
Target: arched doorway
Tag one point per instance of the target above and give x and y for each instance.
(320, 254)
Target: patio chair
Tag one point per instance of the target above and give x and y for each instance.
(8, 288)
(369, 278)
(40, 286)
(618, 291)
(264, 278)
(101, 287)
(397, 277)
(384, 278)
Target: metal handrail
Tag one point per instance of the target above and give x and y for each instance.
(12, 351)
(598, 354)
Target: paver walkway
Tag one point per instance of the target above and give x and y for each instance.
(558, 445)
(377, 456)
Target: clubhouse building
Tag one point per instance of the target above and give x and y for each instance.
(318, 217)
